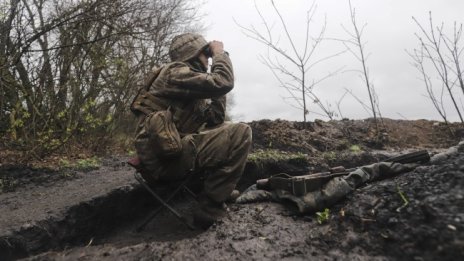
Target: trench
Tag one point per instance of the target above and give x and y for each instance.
(78, 225)
(114, 217)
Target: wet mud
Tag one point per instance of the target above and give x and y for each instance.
(93, 215)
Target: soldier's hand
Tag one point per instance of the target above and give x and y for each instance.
(216, 47)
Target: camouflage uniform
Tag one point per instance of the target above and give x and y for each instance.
(198, 102)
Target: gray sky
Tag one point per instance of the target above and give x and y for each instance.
(389, 33)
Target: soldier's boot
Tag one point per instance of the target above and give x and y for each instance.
(208, 212)
(233, 196)
(333, 191)
(253, 194)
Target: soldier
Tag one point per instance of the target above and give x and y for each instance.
(196, 100)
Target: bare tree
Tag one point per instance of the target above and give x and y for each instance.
(418, 57)
(296, 77)
(357, 46)
(70, 68)
(442, 54)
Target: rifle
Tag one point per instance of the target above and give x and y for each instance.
(300, 185)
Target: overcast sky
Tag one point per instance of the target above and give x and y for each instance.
(389, 33)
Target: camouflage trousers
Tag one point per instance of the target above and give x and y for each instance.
(221, 151)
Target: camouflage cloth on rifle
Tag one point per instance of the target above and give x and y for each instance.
(326, 193)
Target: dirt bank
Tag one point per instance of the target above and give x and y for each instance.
(320, 136)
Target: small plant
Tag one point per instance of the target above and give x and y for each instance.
(329, 155)
(355, 148)
(275, 155)
(323, 217)
(88, 164)
(6, 185)
(81, 164)
(67, 173)
(64, 163)
(403, 198)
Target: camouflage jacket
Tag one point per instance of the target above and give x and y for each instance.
(196, 98)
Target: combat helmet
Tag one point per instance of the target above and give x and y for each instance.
(186, 46)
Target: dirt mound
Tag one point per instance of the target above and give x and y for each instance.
(320, 136)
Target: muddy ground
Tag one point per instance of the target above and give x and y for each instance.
(92, 214)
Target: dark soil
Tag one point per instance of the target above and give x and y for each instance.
(75, 215)
(320, 136)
